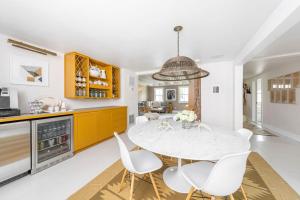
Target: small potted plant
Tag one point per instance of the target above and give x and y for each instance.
(187, 117)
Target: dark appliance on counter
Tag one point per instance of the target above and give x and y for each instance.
(8, 102)
(52, 141)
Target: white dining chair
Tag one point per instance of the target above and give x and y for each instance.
(205, 126)
(141, 119)
(217, 179)
(246, 133)
(152, 116)
(138, 162)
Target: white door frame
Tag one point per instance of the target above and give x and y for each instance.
(254, 101)
(261, 101)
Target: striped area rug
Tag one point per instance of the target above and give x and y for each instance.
(260, 182)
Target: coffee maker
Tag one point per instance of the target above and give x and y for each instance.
(9, 105)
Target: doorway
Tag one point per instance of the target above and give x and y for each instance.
(257, 102)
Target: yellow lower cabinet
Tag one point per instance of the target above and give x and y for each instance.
(104, 124)
(85, 130)
(119, 119)
(98, 125)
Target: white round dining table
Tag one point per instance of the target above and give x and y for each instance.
(194, 144)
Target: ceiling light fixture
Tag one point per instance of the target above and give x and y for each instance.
(179, 68)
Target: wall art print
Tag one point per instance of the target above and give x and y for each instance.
(27, 71)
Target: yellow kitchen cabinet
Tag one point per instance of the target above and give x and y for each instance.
(85, 129)
(81, 84)
(95, 126)
(105, 124)
(119, 119)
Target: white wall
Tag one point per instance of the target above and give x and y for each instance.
(238, 96)
(218, 108)
(56, 81)
(142, 92)
(129, 94)
(282, 119)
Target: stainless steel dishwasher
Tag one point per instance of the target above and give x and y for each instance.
(15, 150)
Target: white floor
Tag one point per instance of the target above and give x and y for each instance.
(60, 181)
(283, 154)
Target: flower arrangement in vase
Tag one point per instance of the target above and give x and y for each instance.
(187, 117)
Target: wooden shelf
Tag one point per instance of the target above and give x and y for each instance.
(100, 98)
(100, 87)
(98, 78)
(116, 82)
(78, 65)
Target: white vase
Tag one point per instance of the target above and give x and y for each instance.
(103, 74)
(94, 71)
(187, 124)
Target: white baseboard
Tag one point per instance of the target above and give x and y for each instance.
(281, 132)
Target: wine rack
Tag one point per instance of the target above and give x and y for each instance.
(80, 83)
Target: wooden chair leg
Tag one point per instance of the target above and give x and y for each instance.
(162, 157)
(145, 176)
(122, 181)
(189, 196)
(131, 186)
(231, 197)
(244, 194)
(154, 186)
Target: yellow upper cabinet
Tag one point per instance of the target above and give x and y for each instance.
(86, 77)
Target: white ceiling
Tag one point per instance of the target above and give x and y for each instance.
(285, 51)
(288, 43)
(137, 34)
(256, 67)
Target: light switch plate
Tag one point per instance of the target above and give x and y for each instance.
(216, 89)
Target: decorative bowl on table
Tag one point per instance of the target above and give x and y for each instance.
(165, 125)
(187, 124)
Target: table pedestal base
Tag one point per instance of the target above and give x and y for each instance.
(174, 179)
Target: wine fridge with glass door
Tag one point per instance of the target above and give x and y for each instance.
(52, 141)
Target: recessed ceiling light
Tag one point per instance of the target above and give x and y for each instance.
(217, 56)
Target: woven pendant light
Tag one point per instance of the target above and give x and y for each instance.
(179, 68)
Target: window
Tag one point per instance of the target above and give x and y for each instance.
(183, 94)
(158, 94)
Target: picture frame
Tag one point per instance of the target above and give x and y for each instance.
(170, 94)
(27, 71)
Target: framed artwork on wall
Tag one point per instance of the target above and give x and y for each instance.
(26, 71)
(171, 94)
(283, 88)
